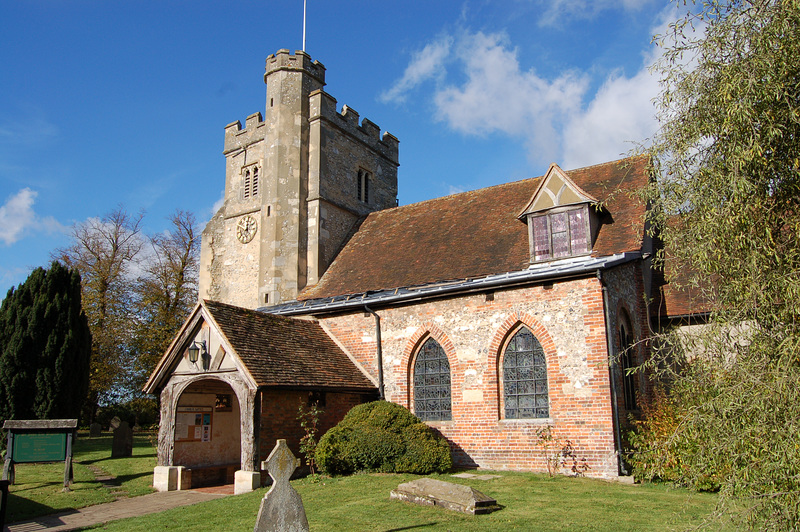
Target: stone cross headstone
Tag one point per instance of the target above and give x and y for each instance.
(114, 423)
(95, 430)
(281, 508)
(122, 446)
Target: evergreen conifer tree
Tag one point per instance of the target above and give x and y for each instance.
(45, 347)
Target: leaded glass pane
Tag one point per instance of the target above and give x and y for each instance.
(577, 230)
(432, 383)
(560, 233)
(525, 377)
(541, 238)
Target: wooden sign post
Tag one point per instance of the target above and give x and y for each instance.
(39, 440)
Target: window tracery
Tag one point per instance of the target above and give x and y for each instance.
(432, 383)
(525, 392)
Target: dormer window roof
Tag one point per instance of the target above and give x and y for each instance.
(560, 223)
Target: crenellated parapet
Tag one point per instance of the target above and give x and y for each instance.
(237, 138)
(322, 106)
(299, 62)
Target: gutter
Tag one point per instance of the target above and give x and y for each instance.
(379, 351)
(612, 378)
(556, 271)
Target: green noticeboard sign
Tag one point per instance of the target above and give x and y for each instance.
(39, 447)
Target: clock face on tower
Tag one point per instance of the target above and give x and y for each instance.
(246, 229)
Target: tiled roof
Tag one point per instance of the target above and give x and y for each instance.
(287, 352)
(678, 298)
(474, 233)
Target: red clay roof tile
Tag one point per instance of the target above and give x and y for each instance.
(475, 233)
(287, 352)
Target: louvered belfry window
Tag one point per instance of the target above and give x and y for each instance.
(250, 182)
(432, 383)
(525, 378)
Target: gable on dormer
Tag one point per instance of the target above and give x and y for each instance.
(556, 190)
(560, 222)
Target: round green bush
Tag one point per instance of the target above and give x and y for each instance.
(385, 437)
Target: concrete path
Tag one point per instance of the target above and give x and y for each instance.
(120, 509)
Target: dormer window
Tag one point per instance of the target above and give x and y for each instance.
(560, 234)
(560, 222)
(250, 181)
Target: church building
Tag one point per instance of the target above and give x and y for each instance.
(496, 316)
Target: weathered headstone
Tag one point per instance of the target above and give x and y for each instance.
(456, 497)
(122, 446)
(281, 508)
(114, 423)
(95, 430)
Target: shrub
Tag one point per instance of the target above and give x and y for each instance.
(385, 437)
(425, 451)
(660, 451)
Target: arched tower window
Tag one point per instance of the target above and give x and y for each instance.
(525, 378)
(627, 361)
(250, 181)
(432, 383)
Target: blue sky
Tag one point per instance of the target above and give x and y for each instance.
(105, 103)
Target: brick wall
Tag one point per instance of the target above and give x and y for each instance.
(279, 416)
(568, 320)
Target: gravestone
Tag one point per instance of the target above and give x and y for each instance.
(122, 446)
(456, 497)
(95, 430)
(281, 508)
(114, 423)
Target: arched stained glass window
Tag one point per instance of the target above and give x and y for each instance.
(432, 383)
(525, 378)
(627, 363)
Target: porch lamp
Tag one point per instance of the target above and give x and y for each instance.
(194, 351)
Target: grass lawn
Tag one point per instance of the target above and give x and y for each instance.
(530, 502)
(38, 486)
(361, 502)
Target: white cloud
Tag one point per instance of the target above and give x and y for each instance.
(620, 114)
(32, 128)
(217, 205)
(498, 96)
(425, 64)
(17, 216)
(557, 10)
(556, 119)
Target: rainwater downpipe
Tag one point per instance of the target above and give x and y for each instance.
(380, 351)
(612, 377)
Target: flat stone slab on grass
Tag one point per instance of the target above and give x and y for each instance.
(456, 497)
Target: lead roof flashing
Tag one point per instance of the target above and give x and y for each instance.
(552, 270)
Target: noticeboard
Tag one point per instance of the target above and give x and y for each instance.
(39, 440)
(193, 423)
(39, 447)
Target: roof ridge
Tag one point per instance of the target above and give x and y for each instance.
(630, 157)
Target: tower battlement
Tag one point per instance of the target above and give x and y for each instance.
(323, 107)
(300, 61)
(237, 138)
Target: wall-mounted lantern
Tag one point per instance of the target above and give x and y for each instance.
(196, 351)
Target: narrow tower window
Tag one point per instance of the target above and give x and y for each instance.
(362, 185)
(250, 181)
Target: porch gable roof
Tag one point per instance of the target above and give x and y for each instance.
(272, 351)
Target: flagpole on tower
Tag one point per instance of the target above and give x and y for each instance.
(304, 25)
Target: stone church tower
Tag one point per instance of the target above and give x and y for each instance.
(297, 183)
